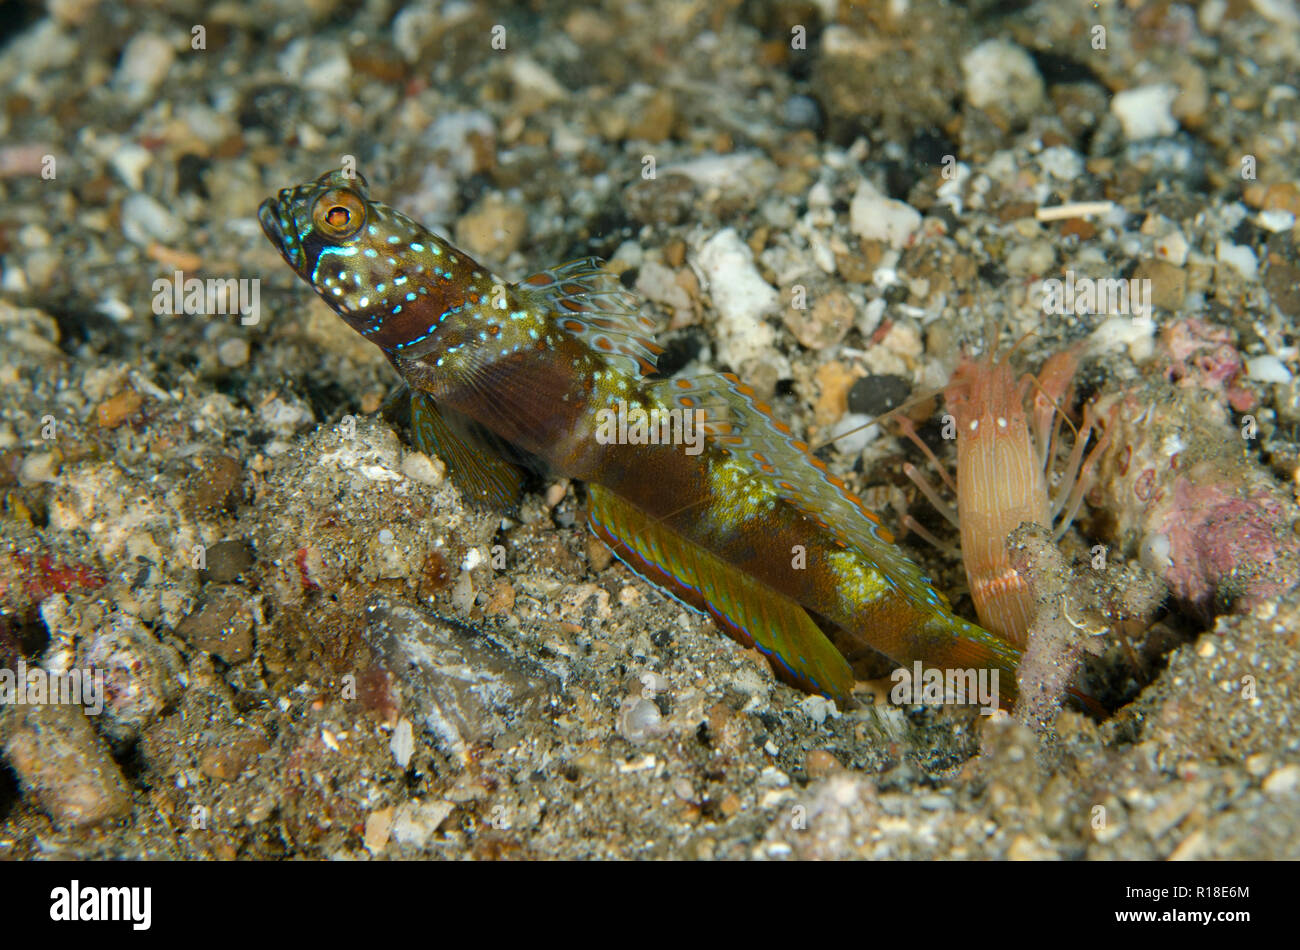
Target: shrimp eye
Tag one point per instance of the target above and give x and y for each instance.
(339, 214)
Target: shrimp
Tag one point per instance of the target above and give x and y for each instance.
(1004, 458)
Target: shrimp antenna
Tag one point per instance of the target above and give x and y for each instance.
(910, 402)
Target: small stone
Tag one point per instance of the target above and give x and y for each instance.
(33, 236)
(217, 484)
(1172, 247)
(1061, 162)
(402, 744)
(675, 253)
(1283, 781)
(62, 764)
(668, 199)
(414, 26)
(599, 556)
(1145, 112)
(1191, 105)
(500, 598)
(116, 410)
(1168, 283)
(875, 217)
(226, 560)
(1267, 369)
(1276, 221)
(233, 352)
(223, 626)
(555, 494)
(874, 395)
(415, 823)
(1025, 848)
(1192, 848)
(1239, 257)
(824, 325)
(462, 592)
(420, 468)
(1081, 228)
(144, 63)
(802, 112)
(1001, 79)
(1283, 196)
(1282, 280)
(640, 720)
(772, 777)
(37, 468)
(145, 220)
(535, 85)
(1032, 259)
(378, 825)
(741, 297)
(653, 119)
(26, 332)
(492, 229)
(834, 383)
(223, 762)
(283, 417)
(327, 67)
(819, 763)
(853, 433)
(656, 282)
(130, 161)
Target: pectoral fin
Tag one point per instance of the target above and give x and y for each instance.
(475, 463)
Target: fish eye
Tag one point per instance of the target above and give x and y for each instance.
(339, 213)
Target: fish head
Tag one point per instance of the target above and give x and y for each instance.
(356, 253)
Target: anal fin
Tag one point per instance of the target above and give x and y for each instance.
(749, 611)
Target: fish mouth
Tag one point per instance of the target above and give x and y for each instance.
(275, 220)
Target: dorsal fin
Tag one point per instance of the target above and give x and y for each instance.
(749, 611)
(590, 304)
(740, 425)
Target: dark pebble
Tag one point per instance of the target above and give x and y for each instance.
(190, 172)
(222, 626)
(217, 484)
(873, 395)
(668, 199)
(802, 112)
(679, 351)
(227, 560)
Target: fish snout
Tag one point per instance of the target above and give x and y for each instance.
(276, 223)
